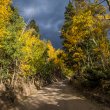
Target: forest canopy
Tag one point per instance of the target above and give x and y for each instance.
(85, 57)
(85, 43)
(23, 55)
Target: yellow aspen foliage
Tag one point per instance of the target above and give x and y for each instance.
(53, 53)
(28, 42)
(5, 13)
(85, 39)
(86, 44)
(106, 17)
(32, 50)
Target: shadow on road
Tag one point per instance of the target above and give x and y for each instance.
(58, 96)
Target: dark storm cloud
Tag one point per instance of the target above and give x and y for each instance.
(49, 15)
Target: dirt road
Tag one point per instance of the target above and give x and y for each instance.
(58, 96)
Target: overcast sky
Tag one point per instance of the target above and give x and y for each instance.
(49, 15)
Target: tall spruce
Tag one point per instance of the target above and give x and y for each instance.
(69, 13)
(33, 25)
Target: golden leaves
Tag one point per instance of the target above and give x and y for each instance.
(5, 13)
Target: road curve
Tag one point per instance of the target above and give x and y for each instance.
(58, 96)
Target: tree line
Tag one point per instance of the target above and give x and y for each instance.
(86, 44)
(23, 55)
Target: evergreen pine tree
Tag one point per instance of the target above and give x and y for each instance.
(33, 25)
(68, 16)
